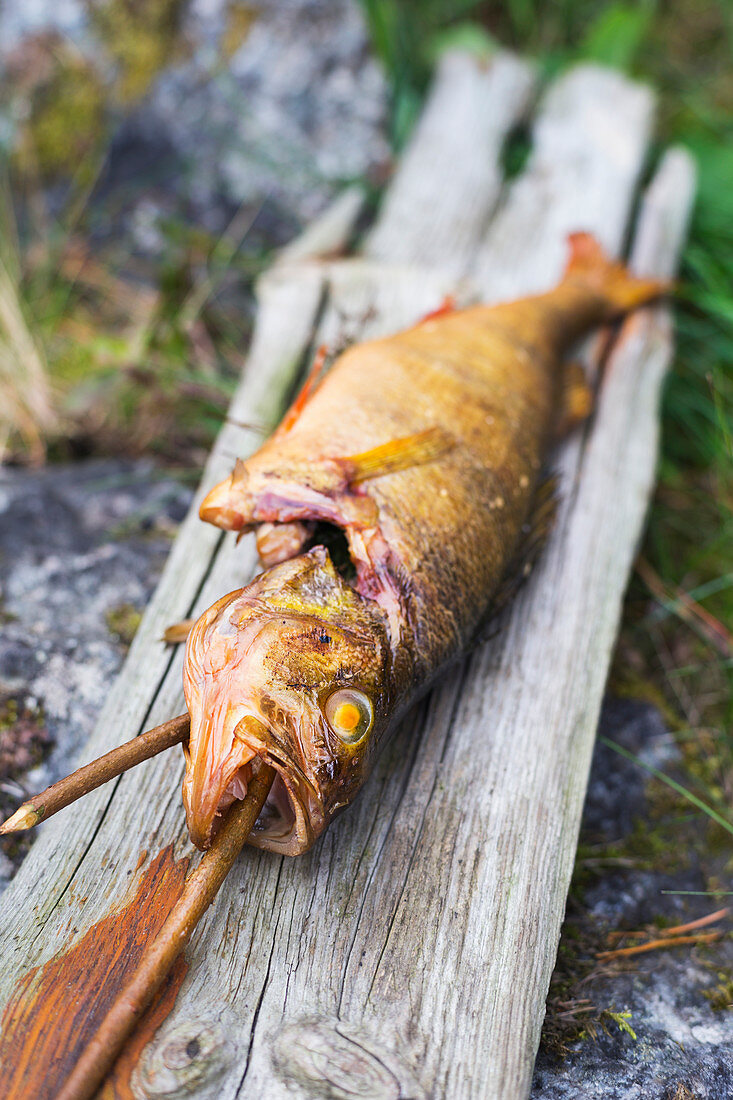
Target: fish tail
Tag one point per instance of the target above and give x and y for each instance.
(589, 265)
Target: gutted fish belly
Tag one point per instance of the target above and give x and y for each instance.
(417, 462)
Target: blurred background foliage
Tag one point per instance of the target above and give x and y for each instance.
(102, 353)
(105, 348)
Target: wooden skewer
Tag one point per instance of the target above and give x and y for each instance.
(199, 891)
(99, 771)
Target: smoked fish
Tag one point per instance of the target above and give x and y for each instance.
(423, 455)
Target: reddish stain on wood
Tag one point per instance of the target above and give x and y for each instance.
(117, 1086)
(57, 1007)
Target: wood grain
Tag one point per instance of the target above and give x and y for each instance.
(408, 954)
(589, 146)
(40, 1041)
(449, 179)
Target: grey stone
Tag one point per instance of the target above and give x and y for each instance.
(299, 109)
(76, 543)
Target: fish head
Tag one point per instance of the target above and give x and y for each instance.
(294, 670)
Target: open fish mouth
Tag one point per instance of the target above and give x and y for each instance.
(292, 816)
(284, 823)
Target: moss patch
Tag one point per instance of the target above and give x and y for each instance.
(571, 1015)
(667, 840)
(64, 110)
(24, 743)
(721, 995)
(123, 622)
(141, 39)
(24, 739)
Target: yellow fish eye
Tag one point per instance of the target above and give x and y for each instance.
(350, 714)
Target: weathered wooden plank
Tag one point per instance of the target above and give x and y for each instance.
(328, 234)
(486, 824)
(93, 854)
(510, 803)
(588, 148)
(392, 924)
(449, 178)
(352, 964)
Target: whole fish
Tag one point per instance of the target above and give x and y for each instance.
(424, 452)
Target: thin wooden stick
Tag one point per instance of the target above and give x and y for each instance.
(680, 603)
(711, 918)
(655, 945)
(99, 771)
(198, 892)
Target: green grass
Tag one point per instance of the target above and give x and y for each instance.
(102, 351)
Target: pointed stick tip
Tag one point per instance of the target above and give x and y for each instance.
(25, 817)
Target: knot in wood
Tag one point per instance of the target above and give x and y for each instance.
(183, 1061)
(331, 1062)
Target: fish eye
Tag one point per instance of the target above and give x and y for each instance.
(350, 714)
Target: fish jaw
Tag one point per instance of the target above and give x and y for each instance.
(222, 681)
(219, 757)
(226, 755)
(218, 767)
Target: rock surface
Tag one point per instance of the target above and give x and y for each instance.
(683, 1046)
(271, 106)
(81, 549)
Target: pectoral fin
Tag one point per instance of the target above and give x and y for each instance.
(399, 454)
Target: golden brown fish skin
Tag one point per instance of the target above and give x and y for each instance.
(432, 542)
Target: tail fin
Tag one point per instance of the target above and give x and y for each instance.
(588, 264)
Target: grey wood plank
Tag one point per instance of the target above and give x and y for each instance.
(144, 689)
(589, 145)
(95, 854)
(449, 178)
(545, 677)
